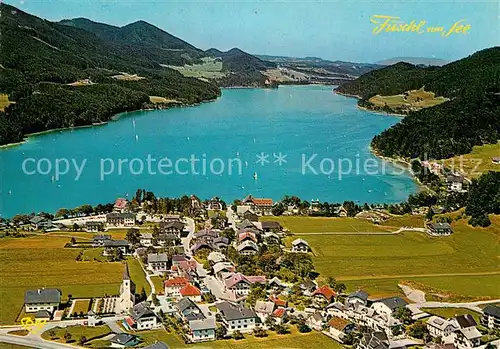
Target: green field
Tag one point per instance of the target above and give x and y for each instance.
(158, 282)
(305, 225)
(81, 305)
(77, 332)
(209, 69)
(11, 346)
(447, 313)
(465, 263)
(417, 99)
(476, 162)
(295, 340)
(42, 261)
(137, 275)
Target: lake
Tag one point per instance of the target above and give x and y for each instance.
(295, 140)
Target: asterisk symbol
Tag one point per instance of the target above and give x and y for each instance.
(280, 158)
(262, 158)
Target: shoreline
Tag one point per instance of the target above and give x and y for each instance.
(368, 109)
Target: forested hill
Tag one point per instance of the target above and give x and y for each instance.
(471, 117)
(79, 72)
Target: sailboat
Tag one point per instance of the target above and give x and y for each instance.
(53, 179)
(137, 138)
(255, 176)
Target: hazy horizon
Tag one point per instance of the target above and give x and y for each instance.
(334, 30)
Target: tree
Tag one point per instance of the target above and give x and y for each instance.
(278, 209)
(67, 336)
(238, 335)
(418, 330)
(52, 333)
(259, 332)
(281, 329)
(220, 332)
(429, 214)
(133, 236)
(76, 227)
(143, 296)
(404, 314)
(302, 327)
(73, 241)
(82, 340)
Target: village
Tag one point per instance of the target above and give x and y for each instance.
(213, 283)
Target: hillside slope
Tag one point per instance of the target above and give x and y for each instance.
(471, 117)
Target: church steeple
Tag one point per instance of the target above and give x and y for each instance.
(126, 275)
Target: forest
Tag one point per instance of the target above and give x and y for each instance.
(452, 128)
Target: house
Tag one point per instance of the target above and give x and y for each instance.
(374, 340)
(247, 236)
(220, 243)
(315, 321)
(439, 229)
(278, 303)
(468, 337)
(199, 245)
(308, 286)
(177, 259)
(43, 315)
(358, 297)
(238, 284)
(237, 317)
(158, 263)
(324, 294)
(174, 285)
(216, 257)
(263, 309)
(339, 328)
(146, 239)
(143, 318)
(495, 160)
(112, 245)
(98, 240)
(124, 340)
(245, 224)
(439, 327)
(491, 317)
(167, 239)
(269, 226)
(172, 227)
(455, 183)
(223, 267)
(388, 305)
(40, 223)
(248, 248)
(187, 310)
(120, 205)
(172, 218)
(341, 212)
(215, 204)
(191, 292)
(464, 321)
(249, 215)
(300, 246)
(47, 299)
(202, 330)
(279, 315)
(276, 285)
(262, 206)
(94, 227)
(126, 300)
(117, 219)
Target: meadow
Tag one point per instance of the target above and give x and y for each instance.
(209, 69)
(4, 101)
(478, 161)
(42, 261)
(272, 341)
(465, 263)
(415, 98)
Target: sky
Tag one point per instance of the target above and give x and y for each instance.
(335, 30)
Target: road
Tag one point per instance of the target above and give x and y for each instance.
(190, 227)
(400, 230)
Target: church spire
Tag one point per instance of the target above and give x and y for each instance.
(126, 275)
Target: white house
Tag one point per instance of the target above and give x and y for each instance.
(146, 239)
(358, 297)
(248, 247)
(455, 183)
(491, 316)
(238, 284)
(237, 317)
(174, 285)
(158, 263)
(466, 338)
(143, 318)
(300, 246)
(439, 327)
(202, 330)
(42, 299)
(263, 309)
(191, 292)
(388, 305)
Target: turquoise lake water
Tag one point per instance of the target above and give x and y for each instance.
(296, 121)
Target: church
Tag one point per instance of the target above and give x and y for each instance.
(126, 301)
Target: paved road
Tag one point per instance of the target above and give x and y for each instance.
(34, 342)
(415, 307)
(190, 227)
(400, 230)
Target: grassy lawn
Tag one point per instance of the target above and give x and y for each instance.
(273, 341)
(465, 263)
(480, 157)
(305, 225)
(81, 305)
(156, 99)
(158, 282)
(11, 346)
(77, 332)
(209, 69)
(137, 275)
(42, 261)
(447, 313)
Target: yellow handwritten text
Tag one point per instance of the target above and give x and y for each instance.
(391, 24)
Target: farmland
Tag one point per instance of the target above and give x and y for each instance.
(451, 312)
(211, 68)
(42, 261)
(465, 263)
(137, 275)
(416, 99)
(4, 101)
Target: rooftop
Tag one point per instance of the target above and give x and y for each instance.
(235, 312)
(42, 295)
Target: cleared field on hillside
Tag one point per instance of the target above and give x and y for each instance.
(209, 69)
(4, 101)
(416, 98)
(42, 261)
(379, 262)
(156, 99)
(476, 162)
